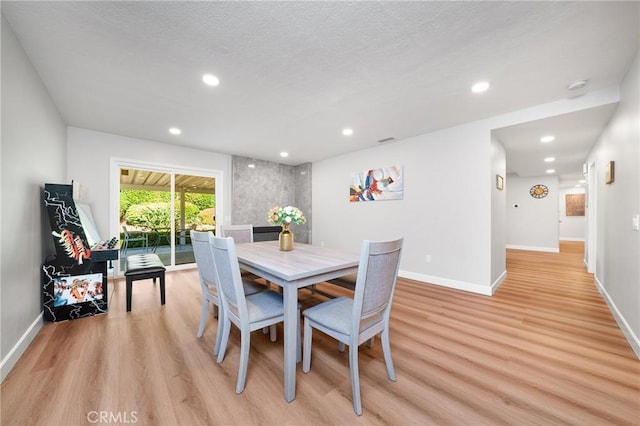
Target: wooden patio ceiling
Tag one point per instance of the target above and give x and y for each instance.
(161, 181)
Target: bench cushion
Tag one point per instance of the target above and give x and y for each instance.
(143, 264)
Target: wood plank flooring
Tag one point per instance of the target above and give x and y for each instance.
(544, 350)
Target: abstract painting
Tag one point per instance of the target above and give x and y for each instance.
(575, 204)
(385, 183)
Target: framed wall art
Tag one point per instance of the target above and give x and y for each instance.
(609, 173)
(575, 204)
(385, 183)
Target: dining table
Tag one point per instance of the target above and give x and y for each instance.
(303, 266)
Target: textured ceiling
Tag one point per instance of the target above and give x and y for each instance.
(293, 74)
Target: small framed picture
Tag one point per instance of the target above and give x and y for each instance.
(609, 173)
(499, 182)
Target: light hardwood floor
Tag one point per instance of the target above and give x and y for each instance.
(544, 350)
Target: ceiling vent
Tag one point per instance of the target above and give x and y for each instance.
(577, 85)
(387, 140)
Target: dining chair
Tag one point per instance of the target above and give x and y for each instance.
(128, 238)
(247, 312)
(201, 242)
(239, 233)
(354, 321)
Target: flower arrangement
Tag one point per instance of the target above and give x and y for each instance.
(286, 215)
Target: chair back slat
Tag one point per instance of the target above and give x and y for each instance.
(228, 273)
(240, 233)
(204, 259)
(377, 273)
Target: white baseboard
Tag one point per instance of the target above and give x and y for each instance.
(633, 340)
(498, 282)
(18, 349)
(571, 239)
(534, 248)
(445, 282)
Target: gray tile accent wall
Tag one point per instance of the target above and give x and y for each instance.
(257, 189)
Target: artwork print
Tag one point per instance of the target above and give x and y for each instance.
(385, 183)
(77, 289)
(575, 205)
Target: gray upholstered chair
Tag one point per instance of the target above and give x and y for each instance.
(354, 321)
(247, 312)
(201, 242)
(239, 233)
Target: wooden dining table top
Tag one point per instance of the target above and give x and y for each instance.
(301, 264)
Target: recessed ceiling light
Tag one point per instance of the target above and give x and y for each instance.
(252, 166)
(582, 181)
(546, 139)
(210, 79)
(550, 159)
(347, 131)
(479, 87)
(175, 131)
(284, 154)
(578, 84)
(578, 186)
(550, 171)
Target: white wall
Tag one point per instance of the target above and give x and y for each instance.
(448, 207)
(498, 215)
(89, 158)
(533, 224)
(618, 245)
(444, 212)
(33, 153)
(572, 228)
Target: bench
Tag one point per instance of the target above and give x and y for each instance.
(143, 267)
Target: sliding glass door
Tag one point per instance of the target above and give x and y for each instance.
(194, 208)
(159, 206)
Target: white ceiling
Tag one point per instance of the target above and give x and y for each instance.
(574, 133)
(293, 74)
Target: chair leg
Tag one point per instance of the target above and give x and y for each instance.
(215, 311)
(386, 349)
(370, 342)
(355, 379)
(219, 334)
(226, 328)
(306, 348)
(245, 343)
(273, 333)
(203, 316)
(340, 346)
